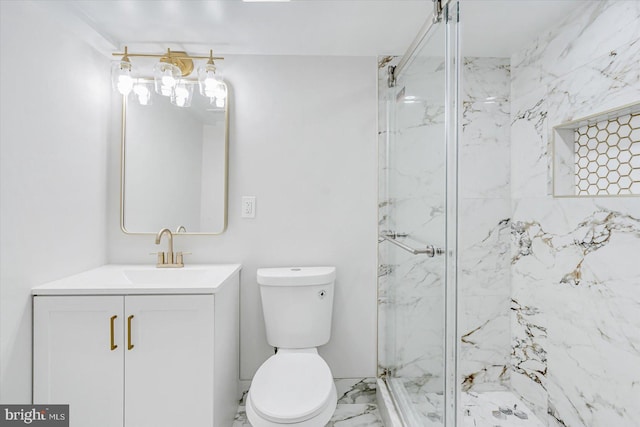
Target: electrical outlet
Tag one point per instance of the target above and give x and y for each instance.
(248, 206)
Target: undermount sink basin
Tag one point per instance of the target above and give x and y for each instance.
(135, 279)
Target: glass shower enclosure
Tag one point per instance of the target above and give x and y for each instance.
(509, 217)
(417, 231)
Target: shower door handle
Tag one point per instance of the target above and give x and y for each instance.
(428, 250)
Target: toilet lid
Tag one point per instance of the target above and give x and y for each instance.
(291, 387)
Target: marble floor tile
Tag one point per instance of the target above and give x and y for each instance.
(479, 409)
(496, 408)
(346, 415)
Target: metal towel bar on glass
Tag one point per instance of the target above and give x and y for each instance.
(391, 236)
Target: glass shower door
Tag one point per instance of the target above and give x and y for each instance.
(413, 229)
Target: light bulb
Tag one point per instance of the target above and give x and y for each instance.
(168, 81)
(210, 85)
(182, 94)
(167, 86)
(121, 77)
(221, 90)
(208, 79)
(143, 94)
(125, 84)
(166, 76)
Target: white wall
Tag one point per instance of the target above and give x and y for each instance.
(303, 141)
(52, 172)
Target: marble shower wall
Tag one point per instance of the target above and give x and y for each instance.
(575, 275)
(484, 225)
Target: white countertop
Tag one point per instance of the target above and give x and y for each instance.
(137, 279)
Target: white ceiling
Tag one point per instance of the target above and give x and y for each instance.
(300, 27)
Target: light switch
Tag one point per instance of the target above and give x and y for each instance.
(248, 206)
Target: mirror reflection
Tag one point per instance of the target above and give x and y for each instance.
(174, 166)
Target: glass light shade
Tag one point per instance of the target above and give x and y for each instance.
(220, 91)
(207, 80)
(121, 79)
(166, 77)
(219, 95)
(142, 93)
(182, 94)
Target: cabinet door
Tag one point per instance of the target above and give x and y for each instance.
(74, 361)
(169, 369)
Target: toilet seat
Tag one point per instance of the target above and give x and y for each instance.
(291, 387)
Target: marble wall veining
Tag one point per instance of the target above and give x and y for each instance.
(575, 284)
(484, 224)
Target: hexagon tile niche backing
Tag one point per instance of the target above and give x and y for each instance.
(608, 157)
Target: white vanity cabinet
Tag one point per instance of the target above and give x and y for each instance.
(138, 357)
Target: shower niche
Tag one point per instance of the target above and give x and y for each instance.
(598, 155)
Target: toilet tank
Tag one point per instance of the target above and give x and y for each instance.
(297, 303)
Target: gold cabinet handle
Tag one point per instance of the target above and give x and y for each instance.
(129, 345)
(112, 323)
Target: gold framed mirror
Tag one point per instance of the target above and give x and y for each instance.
(174, 166)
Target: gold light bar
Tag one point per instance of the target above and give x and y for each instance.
(180, 59)
(172, 54)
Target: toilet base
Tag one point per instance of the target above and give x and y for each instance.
(319, 420)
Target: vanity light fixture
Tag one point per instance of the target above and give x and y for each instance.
(121, 79)
(211, 84)
(165, 78)
(170, 77)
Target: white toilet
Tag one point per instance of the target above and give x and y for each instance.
(294, 387)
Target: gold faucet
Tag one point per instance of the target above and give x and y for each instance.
(166, 260)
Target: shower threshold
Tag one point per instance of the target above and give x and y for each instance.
(501, 408)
